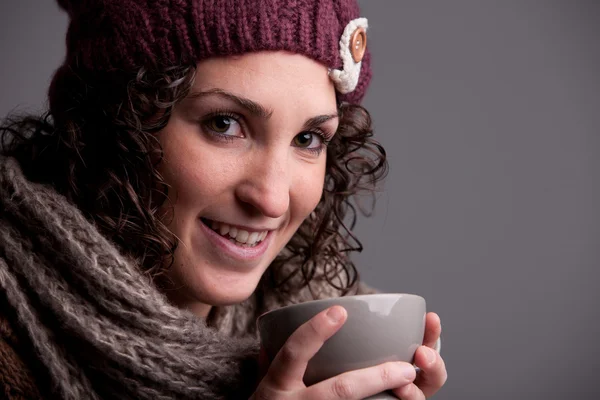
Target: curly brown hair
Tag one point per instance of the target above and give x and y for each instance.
(97, 146)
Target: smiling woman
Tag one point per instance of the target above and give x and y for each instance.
(245, 158)
(188, 177)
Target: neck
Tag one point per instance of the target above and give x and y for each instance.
(182, 302)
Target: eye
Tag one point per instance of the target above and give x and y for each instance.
(223, 125)
(309, 140)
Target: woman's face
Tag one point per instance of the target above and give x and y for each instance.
(245, 160)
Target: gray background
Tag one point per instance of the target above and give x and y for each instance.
(489, 111)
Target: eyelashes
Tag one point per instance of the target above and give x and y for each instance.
(227, 126)
(322, 137)
(218, 124)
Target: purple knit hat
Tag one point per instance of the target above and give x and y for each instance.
(107, 35)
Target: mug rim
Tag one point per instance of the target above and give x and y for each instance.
(337, 299)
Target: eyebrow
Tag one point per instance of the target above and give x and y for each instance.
(258, 110)
(253, 107)
(315, 122)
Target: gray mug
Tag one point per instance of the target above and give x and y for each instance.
(380, 328)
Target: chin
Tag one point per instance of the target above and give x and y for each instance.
(224, 292)
(226, 297)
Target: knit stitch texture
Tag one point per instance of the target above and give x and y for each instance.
(99, 327)
(108, 35)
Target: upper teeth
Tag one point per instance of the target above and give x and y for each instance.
(239, 235)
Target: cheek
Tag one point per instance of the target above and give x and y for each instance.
(307, 191)
(194, 175)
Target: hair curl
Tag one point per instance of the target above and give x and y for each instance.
(97, 146)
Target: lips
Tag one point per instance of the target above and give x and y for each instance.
(236, 235)
(234, 254)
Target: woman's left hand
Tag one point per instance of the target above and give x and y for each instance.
(433, 373)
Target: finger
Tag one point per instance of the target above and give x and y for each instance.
(289, 365)
(409, 392)
(433, 373)
(433, 329)
(362, 383)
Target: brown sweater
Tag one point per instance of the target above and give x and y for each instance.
(17, 364)
(22, 376)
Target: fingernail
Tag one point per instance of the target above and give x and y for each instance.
(408, 371)
(335, 314)
(429, 355)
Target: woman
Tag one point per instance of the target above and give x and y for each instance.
(193, 171)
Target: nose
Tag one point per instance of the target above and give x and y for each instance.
(266, 184)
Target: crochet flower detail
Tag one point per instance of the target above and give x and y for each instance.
(352, 48)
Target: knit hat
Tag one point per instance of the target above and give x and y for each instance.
(109, 35)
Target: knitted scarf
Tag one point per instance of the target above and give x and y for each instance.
(99, 326)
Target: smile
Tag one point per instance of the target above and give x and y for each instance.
(238, 236)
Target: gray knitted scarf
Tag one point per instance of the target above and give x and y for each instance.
(101, 328)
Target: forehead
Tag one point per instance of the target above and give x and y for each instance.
(271, 78)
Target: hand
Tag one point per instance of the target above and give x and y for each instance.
(283, 378)
(433, 373)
